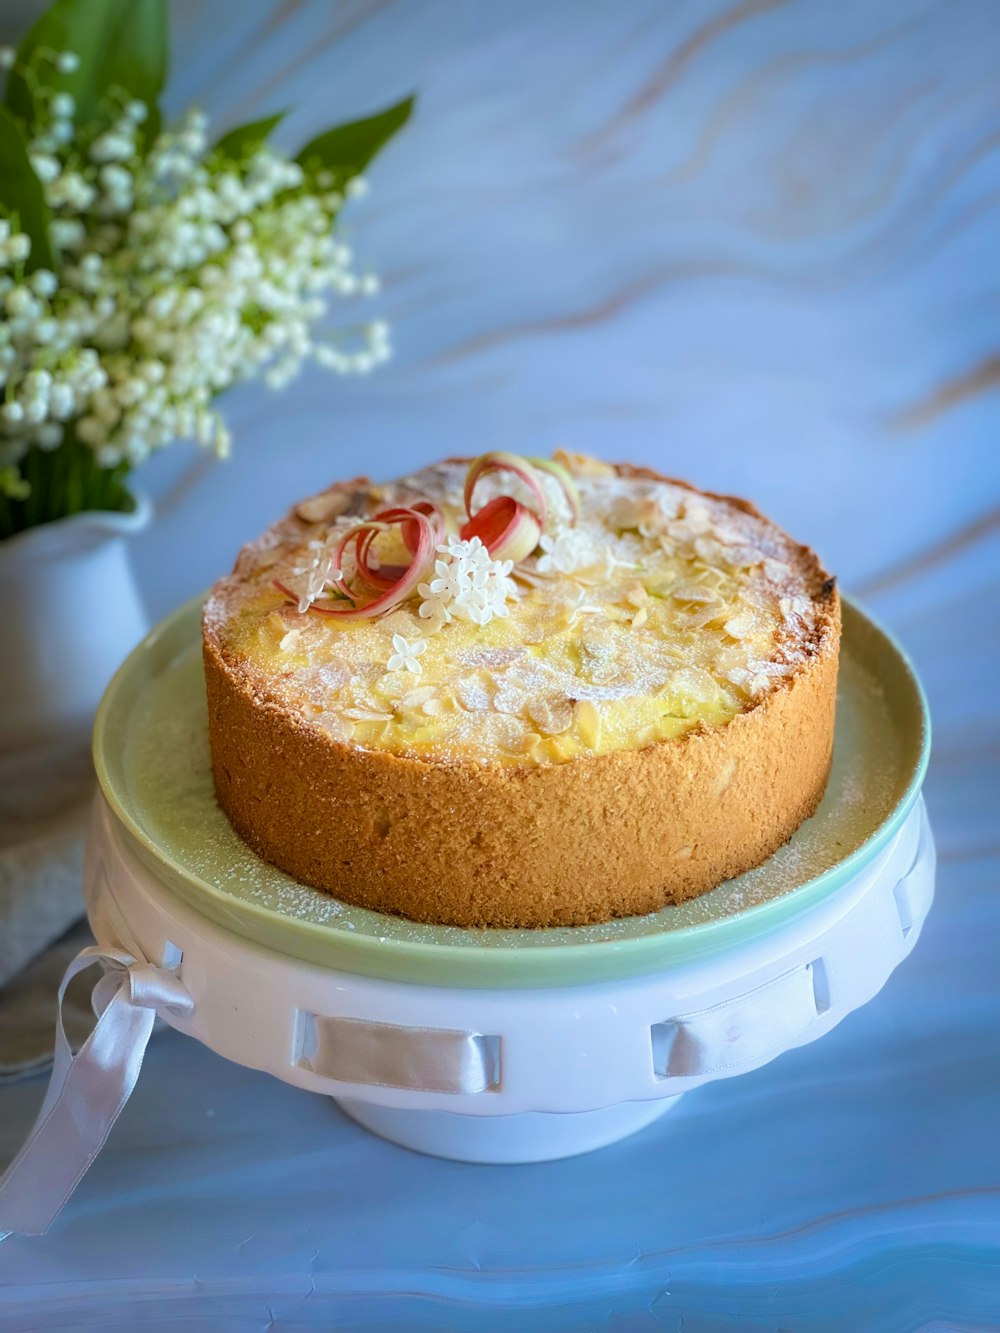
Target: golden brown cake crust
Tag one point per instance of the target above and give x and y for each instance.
(473, 844)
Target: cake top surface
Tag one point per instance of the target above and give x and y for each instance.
(602, 608)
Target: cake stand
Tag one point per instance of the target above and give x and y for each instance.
(506, 1046)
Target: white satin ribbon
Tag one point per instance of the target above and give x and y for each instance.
(87, 1091)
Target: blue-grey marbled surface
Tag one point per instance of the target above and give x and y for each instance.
(756, 244)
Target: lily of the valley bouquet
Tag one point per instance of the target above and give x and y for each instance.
(144, 268)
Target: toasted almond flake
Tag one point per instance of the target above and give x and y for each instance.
(330, 676)
(636, 595)
(640, 618)
(533, 747)
(577, 611)
(334, 725)
(597, 643)
(582, 465)
(664, 585)
(695, 592)
(373, 732)
(740, 627)
(795, 607)
(472, 693)
(699, 619)
(588, 721)
(711, 551)
(324, 507)
(693, 683)
(366, 715)
(683, 853)
(551, 716)
(414, 698)
(776, 570)
(743, 557)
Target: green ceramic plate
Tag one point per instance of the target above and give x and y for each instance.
(151, 751)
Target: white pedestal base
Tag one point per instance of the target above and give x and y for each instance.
(518, 1074)
(533, 1136)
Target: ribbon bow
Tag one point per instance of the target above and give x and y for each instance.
(87, 1091)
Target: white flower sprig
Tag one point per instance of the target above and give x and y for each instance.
(179, 273)
(566, 551)
(315, 570)
(470, 585)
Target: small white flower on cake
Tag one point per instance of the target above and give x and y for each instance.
(406, 657)
(566, 552)
(314, 571)
(470, 585)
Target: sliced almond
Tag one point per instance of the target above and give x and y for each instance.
(740, 627)
(699, 619)
(415, 698)
(597, 641)
(551, 716)
(695, 592)
(335, 726)
(323, 507)
(534, 747)
(582, 465)
(588, 721)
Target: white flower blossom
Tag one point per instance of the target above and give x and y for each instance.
(470, 585)
(178, 274)
(314, 571)
(567, 551)
(407, 654)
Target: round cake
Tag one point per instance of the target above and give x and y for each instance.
(521, 692)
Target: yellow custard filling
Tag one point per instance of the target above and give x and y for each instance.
(671, 611)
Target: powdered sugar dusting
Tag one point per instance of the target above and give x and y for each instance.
(661, 607)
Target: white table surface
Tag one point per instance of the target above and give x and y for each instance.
(754, 244)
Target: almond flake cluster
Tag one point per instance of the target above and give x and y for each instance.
(180, 272)
(470, 585)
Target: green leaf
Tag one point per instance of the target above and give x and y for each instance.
(119, 44)
(347, 149)
(244, 140)
(21, 192)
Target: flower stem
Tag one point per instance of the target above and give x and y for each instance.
(63, 481)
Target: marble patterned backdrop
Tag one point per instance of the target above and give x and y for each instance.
(754, 244)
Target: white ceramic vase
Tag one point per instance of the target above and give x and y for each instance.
(70, 611)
